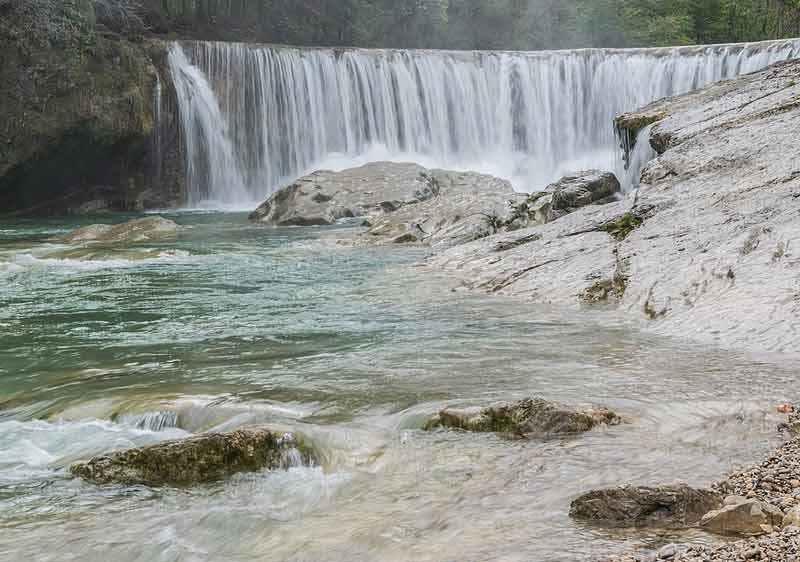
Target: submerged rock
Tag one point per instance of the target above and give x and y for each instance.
(527, 417)
(743, 516)
(400, 203)
(195, 460)
(643, 506)
(137, 230)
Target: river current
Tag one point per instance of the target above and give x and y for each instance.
(352, 347)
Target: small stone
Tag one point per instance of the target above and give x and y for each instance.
(744, 518)
(667, 552)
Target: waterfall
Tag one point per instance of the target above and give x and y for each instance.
(255, 116)
(156, 157)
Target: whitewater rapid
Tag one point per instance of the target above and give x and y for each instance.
(254, 117)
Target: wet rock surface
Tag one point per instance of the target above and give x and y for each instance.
(138, 230)
(399, 203)
(706, 240)
(643, 506)
(532, 417)
(195, 460)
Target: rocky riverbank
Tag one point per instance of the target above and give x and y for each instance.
(762, 501)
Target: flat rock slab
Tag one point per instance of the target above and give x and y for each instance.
(663, 506)
(532, 417)
(137, 230)
(195, 460)
(743, 516)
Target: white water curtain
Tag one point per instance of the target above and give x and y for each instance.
(255, 117)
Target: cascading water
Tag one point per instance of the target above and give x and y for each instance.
(256, 116)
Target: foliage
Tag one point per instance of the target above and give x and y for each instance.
(553, 24)
(120, 16)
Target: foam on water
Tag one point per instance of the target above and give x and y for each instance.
(27, 260)
(33, 447)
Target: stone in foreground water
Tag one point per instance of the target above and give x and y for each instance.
(195, 460)
(643, 506)
(137, 230)
(527, 417)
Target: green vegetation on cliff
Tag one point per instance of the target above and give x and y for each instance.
(77, 111)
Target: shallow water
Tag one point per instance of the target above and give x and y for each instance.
(351, 347)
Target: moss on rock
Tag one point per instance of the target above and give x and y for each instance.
(195, 460)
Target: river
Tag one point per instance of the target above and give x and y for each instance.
(351, 347)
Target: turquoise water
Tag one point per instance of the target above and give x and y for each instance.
(351, 346)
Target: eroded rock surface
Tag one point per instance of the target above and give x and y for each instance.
(710, 238)
(137, 230)
(400, 203)
(195, 460)
(643, 506)
(534, 417)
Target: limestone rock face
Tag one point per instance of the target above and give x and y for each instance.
(195, 460)
(743, 516)
(400, 203)
(663, 506)
(706, 240)
(535, 417)
(137, 230)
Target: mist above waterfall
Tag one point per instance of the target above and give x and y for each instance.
(255, 117)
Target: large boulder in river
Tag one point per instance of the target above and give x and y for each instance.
(642, 506)
(535, 417)
(201, 458)
(325, 197)
(137, 230)
(398, 202)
